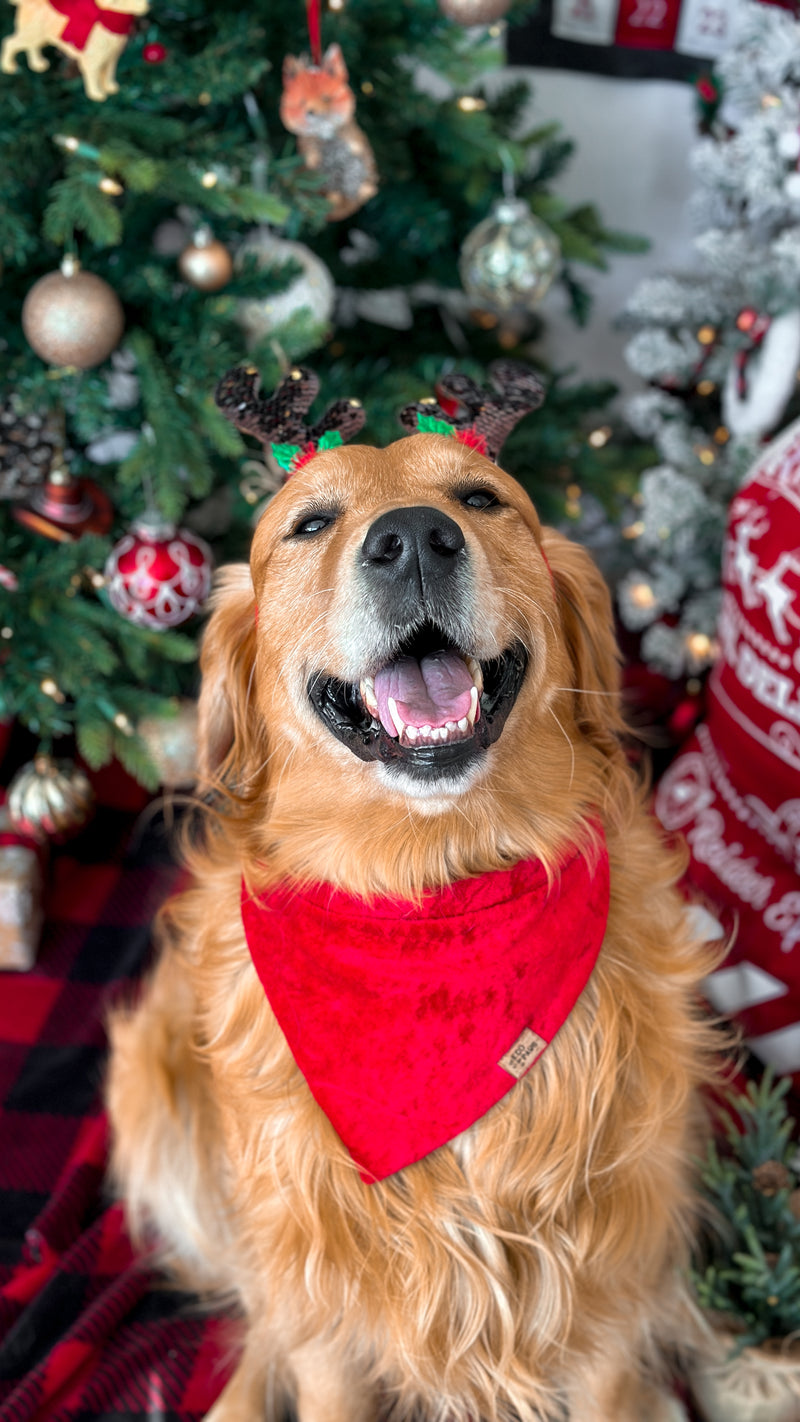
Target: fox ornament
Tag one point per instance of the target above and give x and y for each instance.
(319, 106)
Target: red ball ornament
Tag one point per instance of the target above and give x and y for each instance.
(154, 53)
(158, 576)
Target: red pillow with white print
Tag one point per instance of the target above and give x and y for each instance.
(734, 791)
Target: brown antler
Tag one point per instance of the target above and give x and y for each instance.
(278, 419)
(488, 417)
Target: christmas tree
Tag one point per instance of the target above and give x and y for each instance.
(162, 226)
(720, 346)
(748, 1273)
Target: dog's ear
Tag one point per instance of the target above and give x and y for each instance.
(587, 621)
(227, 718)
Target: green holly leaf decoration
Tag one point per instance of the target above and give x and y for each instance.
(285, 454)
(428, 424)
(330, 440)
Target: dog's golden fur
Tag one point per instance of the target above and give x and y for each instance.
(532, 1267)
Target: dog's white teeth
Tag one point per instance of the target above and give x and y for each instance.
(473, 706)
(474, 669)
(397, 720)
(367, 690)
(436, 735)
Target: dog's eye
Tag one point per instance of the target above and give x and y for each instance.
(311, 524)
(479, 498)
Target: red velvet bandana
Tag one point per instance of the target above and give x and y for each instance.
(409, 1023)
(84, 15)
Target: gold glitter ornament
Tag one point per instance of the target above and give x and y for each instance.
(510, 259)
(206, 264)
(50, 798)
(72, 318)
(171, 743)
(474, 12)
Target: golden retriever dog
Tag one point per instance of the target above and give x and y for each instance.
(93, 37)
(529, 1267)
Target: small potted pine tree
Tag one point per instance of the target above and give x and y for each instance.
(747, 1277)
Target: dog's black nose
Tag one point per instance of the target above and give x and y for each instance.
(417, 545)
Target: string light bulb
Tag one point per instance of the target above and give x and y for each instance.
(470, 104)
(123, 723)
(634, 530)
(707, 335)
(699, 644)
(573, 505)
(110, 186)
(642, 595)
(51, 688)
(6, 633)
(599, 437)
(209, 179)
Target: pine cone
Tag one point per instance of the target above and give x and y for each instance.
(771, 1177)
(28, 445)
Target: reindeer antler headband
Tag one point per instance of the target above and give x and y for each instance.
(483, 419)
(278, 419)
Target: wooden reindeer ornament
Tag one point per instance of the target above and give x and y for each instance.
(91, 34)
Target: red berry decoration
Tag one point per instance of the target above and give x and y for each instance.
(158, 576)
(154, 53)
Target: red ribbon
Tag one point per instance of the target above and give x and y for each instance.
(307, 452)
(314, 31)
(84, 15)
(472, 439)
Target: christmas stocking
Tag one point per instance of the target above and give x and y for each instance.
(734, 791)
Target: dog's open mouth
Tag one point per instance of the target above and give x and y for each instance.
(430, 708)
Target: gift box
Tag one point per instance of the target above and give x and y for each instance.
(21, 895)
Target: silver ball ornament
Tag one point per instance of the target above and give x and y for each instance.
(50, 798)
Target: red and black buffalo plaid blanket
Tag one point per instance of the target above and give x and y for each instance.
(86, 1330)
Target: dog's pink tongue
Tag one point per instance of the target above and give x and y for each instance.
(429, 692)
